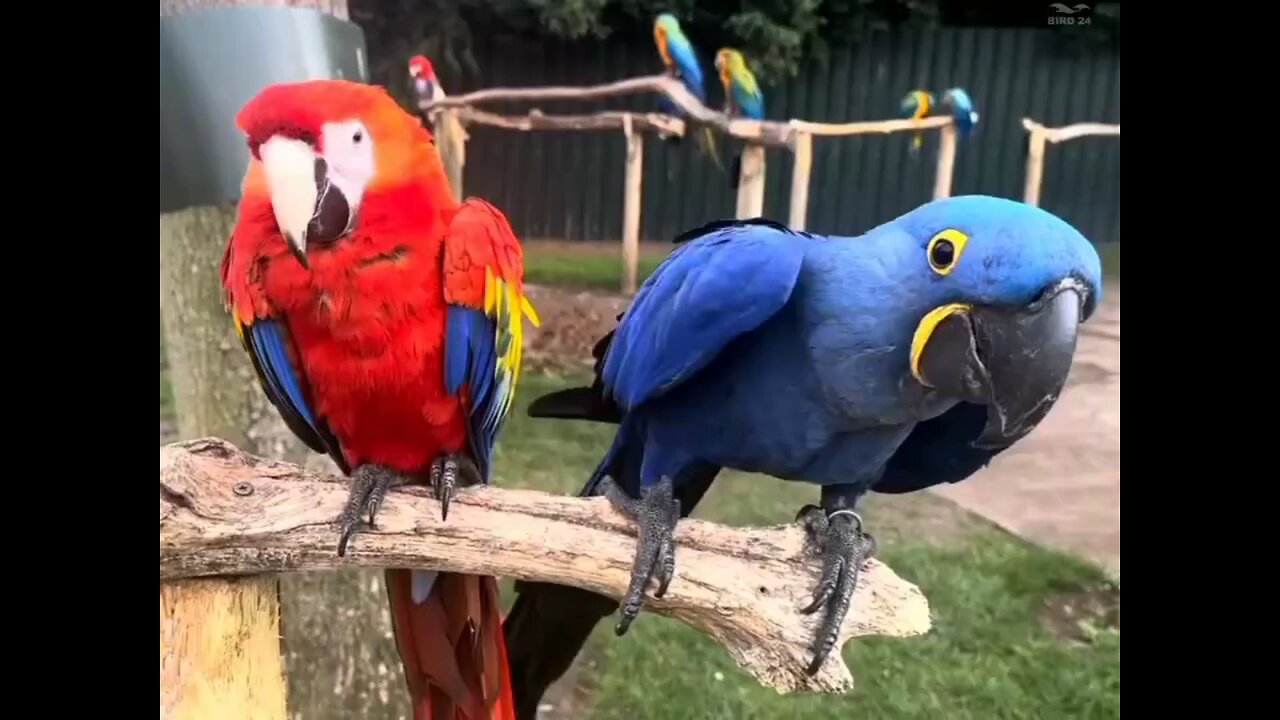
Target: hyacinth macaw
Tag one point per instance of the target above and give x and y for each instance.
(680, 60)
(916, 106)
(424, 78)
(383, 318)
(903, 358)
(741, 92)
(960, 106)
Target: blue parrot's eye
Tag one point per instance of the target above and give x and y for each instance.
(944, 250)
(942, 254)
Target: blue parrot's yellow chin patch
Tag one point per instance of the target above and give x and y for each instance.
(925, 330)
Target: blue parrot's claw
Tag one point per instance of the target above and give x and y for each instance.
(840, 538)
(446, 472)
(369, 486)
(656, 513)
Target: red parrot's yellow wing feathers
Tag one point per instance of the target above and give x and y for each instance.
(484, 287)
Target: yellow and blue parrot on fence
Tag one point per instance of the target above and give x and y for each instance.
(742, 96)
(916, 106)
(681, 62)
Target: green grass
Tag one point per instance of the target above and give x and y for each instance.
(588, 265)
(990, 654)
(599, 265)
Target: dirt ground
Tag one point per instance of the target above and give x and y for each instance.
(1059, 487)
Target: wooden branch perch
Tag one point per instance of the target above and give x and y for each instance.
(1069, 132)
(223, 512)
(535, 120)
(763, 132)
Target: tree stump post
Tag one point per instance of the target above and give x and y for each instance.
(220, 652)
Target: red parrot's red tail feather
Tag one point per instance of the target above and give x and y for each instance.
(452, 647)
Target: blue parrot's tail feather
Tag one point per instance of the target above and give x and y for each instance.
(548, 624)
(578, 403)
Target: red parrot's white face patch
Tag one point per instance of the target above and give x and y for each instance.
(316, 195)
(348, 151)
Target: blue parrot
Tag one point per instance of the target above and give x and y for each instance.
(957, 101)
(680, 60)
(893, 361)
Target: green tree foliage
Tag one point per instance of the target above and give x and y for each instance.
(777, 35)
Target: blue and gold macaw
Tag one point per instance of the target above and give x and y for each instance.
(742, 96)
(680, 61)
(916, 106)
(960, 106)
(903, 358)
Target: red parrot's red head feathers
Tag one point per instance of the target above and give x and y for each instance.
(325, 149)
(420, 67)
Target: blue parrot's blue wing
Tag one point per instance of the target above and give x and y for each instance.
(268, 345)
(728, 279)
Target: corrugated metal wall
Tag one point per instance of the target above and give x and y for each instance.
(569, 184)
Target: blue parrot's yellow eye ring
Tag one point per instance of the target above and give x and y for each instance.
(944, 250)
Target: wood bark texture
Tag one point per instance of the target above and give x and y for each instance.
(220, 649)
(213, 385)
(226, 512)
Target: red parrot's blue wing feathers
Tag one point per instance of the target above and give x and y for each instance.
(483, 285)
(268, 345)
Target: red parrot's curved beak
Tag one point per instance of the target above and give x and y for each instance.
(307, 206)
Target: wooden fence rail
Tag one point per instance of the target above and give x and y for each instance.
(226, 513)
(1036, 141)
(795, 135)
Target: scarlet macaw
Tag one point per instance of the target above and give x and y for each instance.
(424, 77)
(383, 318)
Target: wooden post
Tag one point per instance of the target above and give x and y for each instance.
(220, 649)
(453, 149)
(220, 653)
(1035, 166)
(631, 210)
(802, 149)
(946, 162)
(751, 182)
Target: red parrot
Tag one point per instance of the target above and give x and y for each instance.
(424, 77)
(383, 318)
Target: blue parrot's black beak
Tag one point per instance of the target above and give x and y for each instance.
(1013, 360)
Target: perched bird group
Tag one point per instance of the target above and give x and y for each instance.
(919, 104)
(384, 318)
(679, 60)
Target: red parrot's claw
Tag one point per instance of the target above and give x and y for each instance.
(447, 473)
(369, 486)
